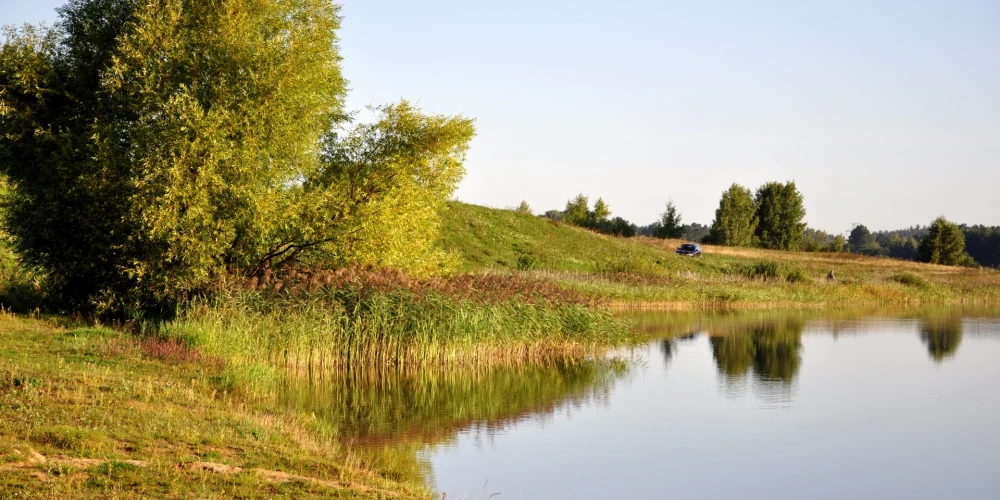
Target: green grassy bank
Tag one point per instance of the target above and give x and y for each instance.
(98, 413)
(644, 272)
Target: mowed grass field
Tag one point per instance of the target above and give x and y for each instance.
(645, 272)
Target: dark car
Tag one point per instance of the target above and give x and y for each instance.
(689, 249)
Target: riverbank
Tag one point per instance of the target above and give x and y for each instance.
(90, 411)
(192, 406)
(646, 273)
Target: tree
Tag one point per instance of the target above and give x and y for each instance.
(523, 208)
(600, 213)
(576, 211)
(944, 244)
(983, 244)
(779, 216)
(553, 215)
(735, 220)
(154, 147)
(860, 235)
(837, 245)
(618, 227)
(695, 231)
(669, 224)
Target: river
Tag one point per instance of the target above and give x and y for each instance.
(751, 405)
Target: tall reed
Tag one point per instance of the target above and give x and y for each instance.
(261, 334)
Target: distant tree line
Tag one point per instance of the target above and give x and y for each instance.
(772, 217)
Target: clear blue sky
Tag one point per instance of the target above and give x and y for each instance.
(884, 113)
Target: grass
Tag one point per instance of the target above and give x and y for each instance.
(645, 272)
(94, 412)
(358, 318)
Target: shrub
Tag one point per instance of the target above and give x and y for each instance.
(627, 264)
(769, 270)
(909, 279)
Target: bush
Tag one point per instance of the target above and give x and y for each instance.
(909, 279)
(627, 264)
(527, 262)
(768, 270)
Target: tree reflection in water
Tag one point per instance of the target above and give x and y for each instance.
(942, 335)
(770, 349)
(669, 346)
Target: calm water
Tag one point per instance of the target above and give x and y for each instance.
(718, 406)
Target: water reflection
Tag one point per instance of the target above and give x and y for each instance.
(770, 349)
(942, 335)
(432, 406)
(399, 421)
(669, 346)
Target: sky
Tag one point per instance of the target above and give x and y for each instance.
(884, 113)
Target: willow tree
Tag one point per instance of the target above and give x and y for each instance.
(155, 147)
(735, 219)
(377, 197)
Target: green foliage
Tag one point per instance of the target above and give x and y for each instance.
(601, 211)
(523, 208)
(387, 181)
(839, 244)
(577, 212)
(155, 148)
(815, 240)
(617, 227)
(860, 237)
(909, 279)
(768, 270)
(779, 216)
(628, 263)
(175, 133)
(945, 244)
(669, 225)
(735, 219)
(983, 244)
(527, 261)
(695, 232)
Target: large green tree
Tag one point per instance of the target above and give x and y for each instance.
(735, 219)
(154, 147)
(944, 244)
(779, 216)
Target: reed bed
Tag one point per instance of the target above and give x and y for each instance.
(360, 318)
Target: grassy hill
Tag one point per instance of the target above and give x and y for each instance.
(645, 271)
